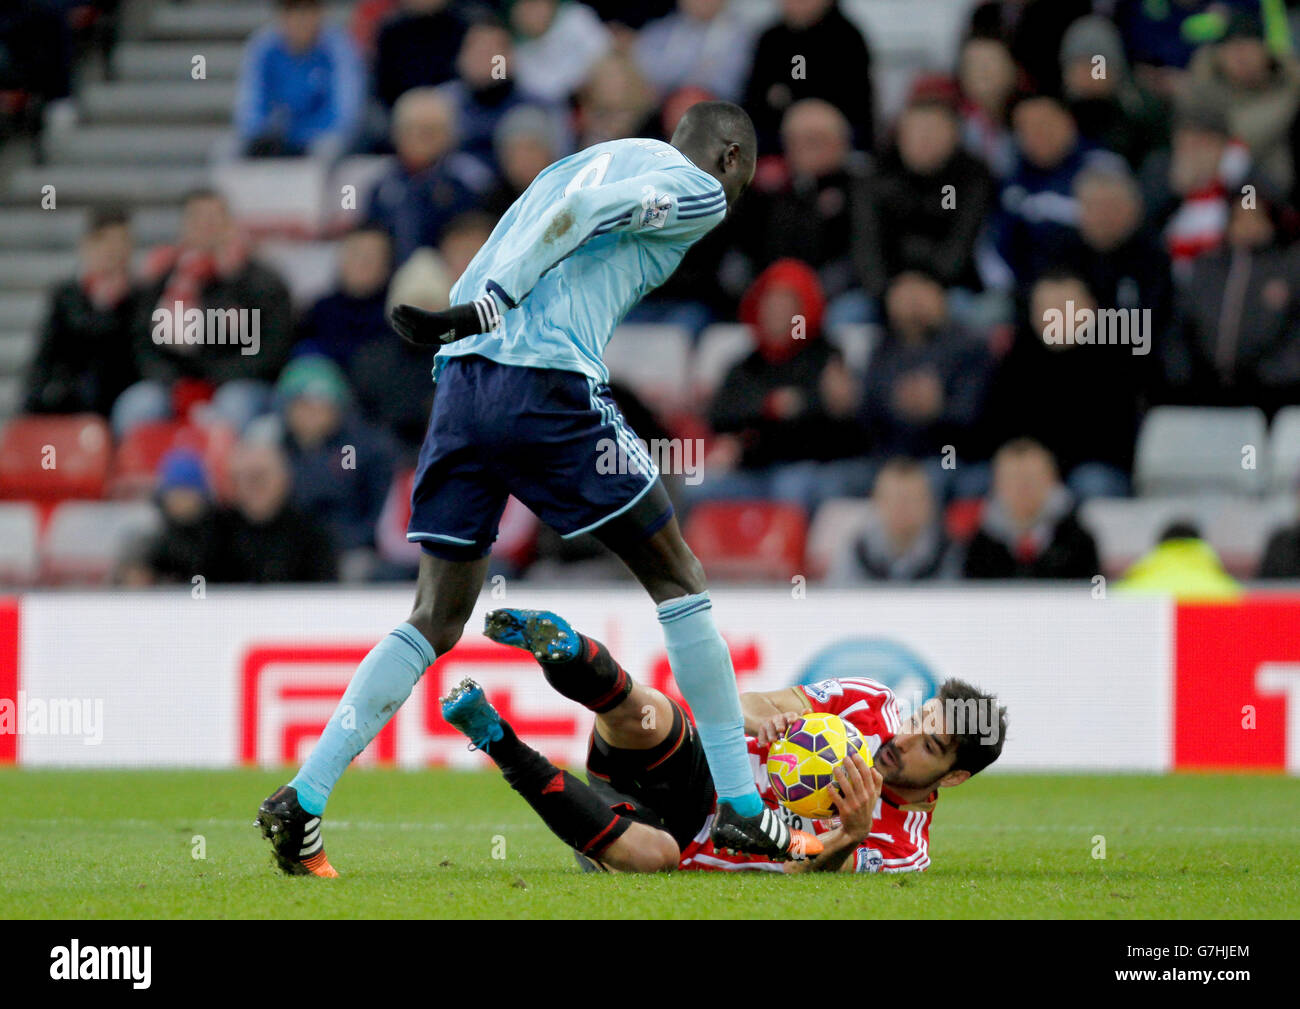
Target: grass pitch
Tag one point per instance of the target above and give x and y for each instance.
(124, 844)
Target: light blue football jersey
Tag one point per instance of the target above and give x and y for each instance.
(590, 236)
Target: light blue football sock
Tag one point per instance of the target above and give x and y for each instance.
(381, 683)
(702, 666)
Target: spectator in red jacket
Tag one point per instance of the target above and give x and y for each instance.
(784, 412)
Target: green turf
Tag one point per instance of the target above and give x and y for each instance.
(111, 844)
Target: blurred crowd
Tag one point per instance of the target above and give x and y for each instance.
(1123, 155)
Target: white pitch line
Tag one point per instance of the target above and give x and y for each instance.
(331, 824)
(1054, 828)
(943, 828)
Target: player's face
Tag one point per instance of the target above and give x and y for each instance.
(921, 753)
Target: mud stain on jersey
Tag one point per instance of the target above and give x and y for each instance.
(559, 226)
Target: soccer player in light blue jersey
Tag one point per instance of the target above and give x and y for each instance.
(523, 408)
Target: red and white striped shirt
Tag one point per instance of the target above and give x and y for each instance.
(900, 834)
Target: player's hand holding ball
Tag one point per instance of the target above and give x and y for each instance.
(774, 728)
(855, 795)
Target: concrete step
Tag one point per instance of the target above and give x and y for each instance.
(188, 103)
(231, 21)
(134, 145)
(27, 228)
(172, 62)
(127, 185)
(17, 348)
(22, 229)
(34, 271)
(227, 20)
(21, 310)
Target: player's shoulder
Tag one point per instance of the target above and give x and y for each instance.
(856, 687)
(650, 155)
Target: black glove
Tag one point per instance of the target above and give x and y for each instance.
(433, 329)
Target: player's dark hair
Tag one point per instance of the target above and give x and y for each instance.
(1024, 445)
(982, 721)
(108, 215)
(712, 124)
(204, 193)
(902, 465)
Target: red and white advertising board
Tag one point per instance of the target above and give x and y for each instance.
(249, 677)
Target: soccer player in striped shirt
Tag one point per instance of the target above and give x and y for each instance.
(523, 408)
(649, 802)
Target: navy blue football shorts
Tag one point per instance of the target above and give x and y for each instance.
(554, 439)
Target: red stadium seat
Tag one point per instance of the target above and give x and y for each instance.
(136, 463)
(55, 457)
(390, 531)
(516, 540)
(137, 457)
(748, 539)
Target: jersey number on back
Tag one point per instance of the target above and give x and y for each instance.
(592, 173)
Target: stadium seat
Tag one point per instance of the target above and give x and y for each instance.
(136, 460)
(516, 540)
(748, 539)
(720, 347)
(1189, 450)
(309, 268)
(47, 458)
(390, 531)
(1284, 449)
(85, 539)
(834, 530)
(274, 196)
(361, 171)
(856, 342)
(137, 457)
(1237, 527)
(20, 530)
(654, 361)
(1126, 528)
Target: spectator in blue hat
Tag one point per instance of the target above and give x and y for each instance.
(186, 544)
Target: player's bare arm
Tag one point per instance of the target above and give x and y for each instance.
(768, 713)
(855, 803)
